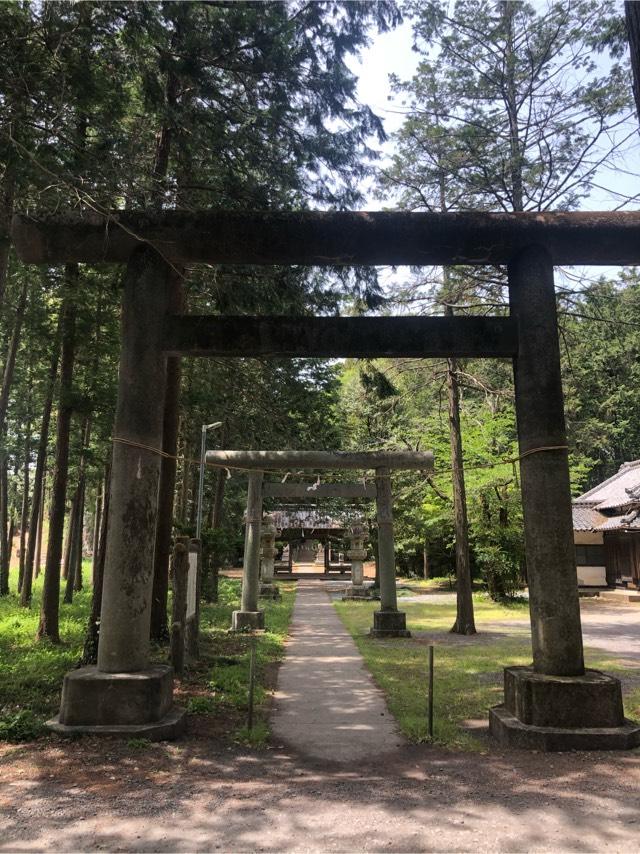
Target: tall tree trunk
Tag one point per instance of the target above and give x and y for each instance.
(10, 363)
(24, 512)
(79, 545)
(92, 636)
(5, 557)
(7, 195)
(159, 629)
(7, 380)
(211, 589)
(38, 557)
(70, 551)
(425, 561)
(464, 624)
(76, 523)
(632, 15)
(166, 490)
(49, 613)
(12, 532)
(37, 500)
(68, 539)
(509, 8)
(97, 519)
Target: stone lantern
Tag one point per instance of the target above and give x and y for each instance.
(268, 533)
(357, 554)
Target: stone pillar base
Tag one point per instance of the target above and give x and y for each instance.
(269, 591)
(356, 591)
(389, 624)
(127, 704)
(241, 621)
(554, 713)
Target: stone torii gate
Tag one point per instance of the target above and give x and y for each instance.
(553, 704)
(388, 621)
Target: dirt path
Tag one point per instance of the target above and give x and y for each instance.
(327, 705)
(199, 796)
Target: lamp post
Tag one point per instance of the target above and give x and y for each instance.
(203, 441)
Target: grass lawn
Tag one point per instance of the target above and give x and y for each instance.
(468, 671)
(214, 688)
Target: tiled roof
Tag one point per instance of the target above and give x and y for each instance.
(586, 518)
(622, 490)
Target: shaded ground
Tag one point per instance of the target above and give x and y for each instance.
(201, 796)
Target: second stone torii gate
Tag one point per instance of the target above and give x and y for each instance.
(388, 621)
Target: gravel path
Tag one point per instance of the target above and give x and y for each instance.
(326, 704)
(609, 628)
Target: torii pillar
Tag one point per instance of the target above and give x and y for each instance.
(388, 621)
(125, 694)
(555, 704)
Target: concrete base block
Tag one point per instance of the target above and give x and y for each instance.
(269, 591)
(389, 624)
(508, 731)
(543, 712)
(590, 700)
(242, 621)
(356, 591)
(94, 702)
(170, 727)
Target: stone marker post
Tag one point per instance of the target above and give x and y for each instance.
(194, 587)
(553, 705)
(136, 696)
(179, 584)
(268, 554)
(388, 621)
(249, 617)
(357, 554)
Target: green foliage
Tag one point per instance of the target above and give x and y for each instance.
(225, 675)
(20, 726)
(139, 743)
(601, 333)
(201, 705)
(31, 673)
(492, 108)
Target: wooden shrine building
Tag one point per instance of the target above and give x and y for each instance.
(606, 524)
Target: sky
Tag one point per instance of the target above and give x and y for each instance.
(392, 52)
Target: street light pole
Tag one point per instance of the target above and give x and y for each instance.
(203, 450)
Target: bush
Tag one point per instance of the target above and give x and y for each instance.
(499, 570)
(20, 726)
